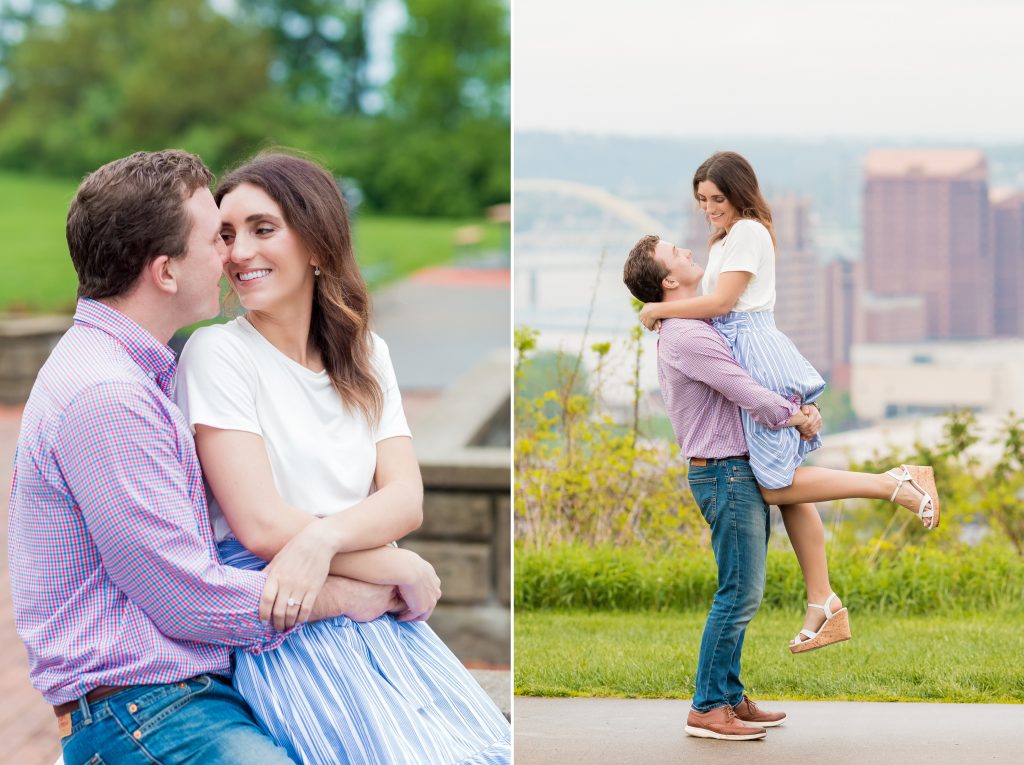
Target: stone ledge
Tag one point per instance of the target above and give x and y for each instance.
(498, 684)
(476, 634)
(461, 417)
(25, 343)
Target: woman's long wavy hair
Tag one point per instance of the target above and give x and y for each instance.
(735, 178)
(314, 208)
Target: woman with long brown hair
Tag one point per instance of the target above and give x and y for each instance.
(299, 427)
(738, 289)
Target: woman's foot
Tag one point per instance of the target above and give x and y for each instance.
(815, 617)
(914, 489)
(834, 628)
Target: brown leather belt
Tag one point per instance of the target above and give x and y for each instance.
(96, 694)
(702, 462)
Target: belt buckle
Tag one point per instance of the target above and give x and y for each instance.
(64, 725)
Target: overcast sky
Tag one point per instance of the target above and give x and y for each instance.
(901, 69)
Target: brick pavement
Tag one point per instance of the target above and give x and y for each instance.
(28, 728)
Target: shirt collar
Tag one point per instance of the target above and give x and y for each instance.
(156, 359)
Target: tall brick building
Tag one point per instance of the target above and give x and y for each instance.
(926, 233)
(1008, 257)
(799, 303)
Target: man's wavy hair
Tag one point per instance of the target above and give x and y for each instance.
(643, 273)
(129, 212)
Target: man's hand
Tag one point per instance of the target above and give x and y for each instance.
(809, 429)
(359, 601)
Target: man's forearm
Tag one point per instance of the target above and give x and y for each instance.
(360, 601)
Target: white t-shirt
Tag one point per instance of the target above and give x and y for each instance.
(322, 455)
(747, 247)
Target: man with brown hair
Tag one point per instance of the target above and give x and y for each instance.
(128, 617)
(703, 389)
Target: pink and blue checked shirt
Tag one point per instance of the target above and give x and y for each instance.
(704, 388)
(114, 572)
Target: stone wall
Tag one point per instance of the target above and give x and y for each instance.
(467, 511)
(25, 343)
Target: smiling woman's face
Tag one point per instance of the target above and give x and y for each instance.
(268, 264)
(718, 209)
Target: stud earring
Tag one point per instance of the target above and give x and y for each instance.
(316, 272)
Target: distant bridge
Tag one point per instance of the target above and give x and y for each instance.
(622, 209)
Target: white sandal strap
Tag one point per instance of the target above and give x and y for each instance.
(926, 500)
(829, 613)
(900, 480)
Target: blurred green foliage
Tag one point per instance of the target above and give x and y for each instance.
(85, 82)
(582, 477)
(914, 579)
(579, 474)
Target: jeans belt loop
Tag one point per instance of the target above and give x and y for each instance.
(83, 704)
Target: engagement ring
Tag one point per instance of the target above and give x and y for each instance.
(292, 602)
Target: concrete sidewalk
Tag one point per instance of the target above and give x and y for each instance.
(615, 731)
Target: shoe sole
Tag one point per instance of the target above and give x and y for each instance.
(761, 724)
(705, 733)
(835, 630)
(925, 478)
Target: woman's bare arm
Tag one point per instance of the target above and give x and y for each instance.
(728, 290)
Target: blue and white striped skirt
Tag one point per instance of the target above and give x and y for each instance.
(775, 363)
(339, 692)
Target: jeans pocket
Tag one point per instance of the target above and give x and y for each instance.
(150, 709)
(705, 494)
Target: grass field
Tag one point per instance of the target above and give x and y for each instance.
(38, 275)
(963, 658)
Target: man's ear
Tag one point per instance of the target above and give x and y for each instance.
(161, 274)
(669, 283)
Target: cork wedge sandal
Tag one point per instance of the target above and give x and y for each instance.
(922, 479)
(835, 629)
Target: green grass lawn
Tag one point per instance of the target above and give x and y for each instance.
(38, 275)
(951, 658)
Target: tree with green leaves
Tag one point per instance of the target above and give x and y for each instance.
(321, 48)
(452, 62)
(104, 83)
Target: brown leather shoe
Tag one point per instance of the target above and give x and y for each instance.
(748, 712)
(721, 722)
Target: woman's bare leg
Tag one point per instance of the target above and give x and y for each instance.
(817, 484)
(803, 524)
(807, 535)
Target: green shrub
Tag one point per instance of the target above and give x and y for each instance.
(908, 580)
(582, 476)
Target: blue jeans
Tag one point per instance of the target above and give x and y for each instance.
(729, 500)
(202, 720)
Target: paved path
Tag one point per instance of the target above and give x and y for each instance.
(619, 731)
(28, 728)
(443, 321)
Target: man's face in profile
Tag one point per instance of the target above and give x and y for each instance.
(679, 262)
(200, 270)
